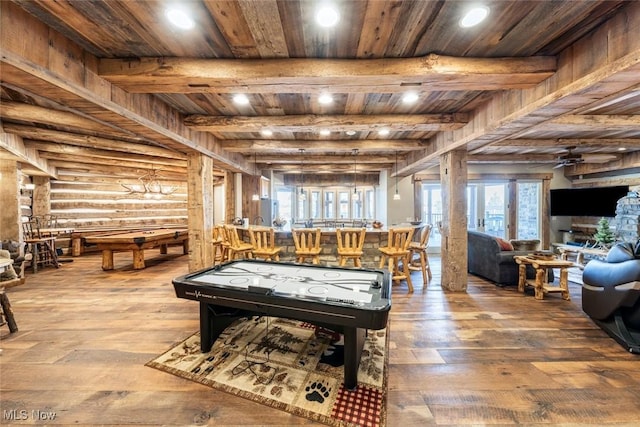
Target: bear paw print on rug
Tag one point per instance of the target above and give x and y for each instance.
(317, 392)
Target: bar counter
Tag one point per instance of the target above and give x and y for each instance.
(374, 238)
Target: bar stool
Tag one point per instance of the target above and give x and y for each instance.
(43, 249)
(263, 241)
(420, 249)
(218, 244)
(396, 251)
(236, 247)
(307, 244)
(350, 245)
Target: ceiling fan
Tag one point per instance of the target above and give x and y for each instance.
(570, 158)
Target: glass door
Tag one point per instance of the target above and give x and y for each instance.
(487, 208)
(529, 215)
(432, 213)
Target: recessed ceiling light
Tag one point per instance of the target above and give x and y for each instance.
(410, 97)
(474, 16)
(179, 18)
(325, 132)
(325, 98)
(241, 99)
(383, 132)
(327, 16)
(622, 148)
(351, 132)
(266, 132)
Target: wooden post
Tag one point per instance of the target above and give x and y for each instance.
(417, 199)
(9, 200)
(453, 179)
(230, 197)
(512, 209)
(200, 210)
(41, 202)
(545, 223)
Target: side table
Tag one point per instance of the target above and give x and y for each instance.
(540, 283)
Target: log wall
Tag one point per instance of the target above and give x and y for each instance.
(98, 200)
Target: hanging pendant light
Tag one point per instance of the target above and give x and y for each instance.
(256, 195)
(302, 196)
(397, 195)
(355, 174)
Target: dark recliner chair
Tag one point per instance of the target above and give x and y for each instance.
(611, 294)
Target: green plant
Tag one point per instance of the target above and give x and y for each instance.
(604, 237)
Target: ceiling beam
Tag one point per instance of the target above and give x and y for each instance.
(320, 159)
(91, 160)
(601, 121)
(334, 123)
(311, 75)
(10, 110)
(563, 143)
(43, 147)
(89, 141)
(15, 145)
(323, 168)
(250, 146)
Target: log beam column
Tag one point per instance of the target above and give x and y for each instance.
(200, 211)
(9, 200)
(453, 179)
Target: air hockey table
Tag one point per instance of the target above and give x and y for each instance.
(345, 300)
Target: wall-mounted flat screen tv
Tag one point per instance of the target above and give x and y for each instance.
(599, 201)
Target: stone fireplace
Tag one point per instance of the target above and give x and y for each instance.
(627, 220)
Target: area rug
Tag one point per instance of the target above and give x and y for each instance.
(289, 365)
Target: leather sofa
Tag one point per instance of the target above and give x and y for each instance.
(611, 294)
(485, 258)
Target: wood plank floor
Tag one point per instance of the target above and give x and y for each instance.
(490, 356)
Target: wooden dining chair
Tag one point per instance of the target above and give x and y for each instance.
(420, 249)
(236, 247)
(350, 245)
(307, 244)
(396, 253)
(263, 241)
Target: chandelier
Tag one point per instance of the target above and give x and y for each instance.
(302, 196)
(355, 174)
(150, 186)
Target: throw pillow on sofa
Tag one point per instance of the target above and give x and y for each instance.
(504, 245)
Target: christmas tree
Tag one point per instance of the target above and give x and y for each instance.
(604, 236)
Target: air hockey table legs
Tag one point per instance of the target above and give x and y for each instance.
(212, 325)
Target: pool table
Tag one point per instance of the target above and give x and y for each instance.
(137, 242)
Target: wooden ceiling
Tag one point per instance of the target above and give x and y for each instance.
(121, 88)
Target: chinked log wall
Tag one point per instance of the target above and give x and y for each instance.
(98, 201)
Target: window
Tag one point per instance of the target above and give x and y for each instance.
(328, 203)
(315, 205)
(343, 204)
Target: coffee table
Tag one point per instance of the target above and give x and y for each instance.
(540, 283)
